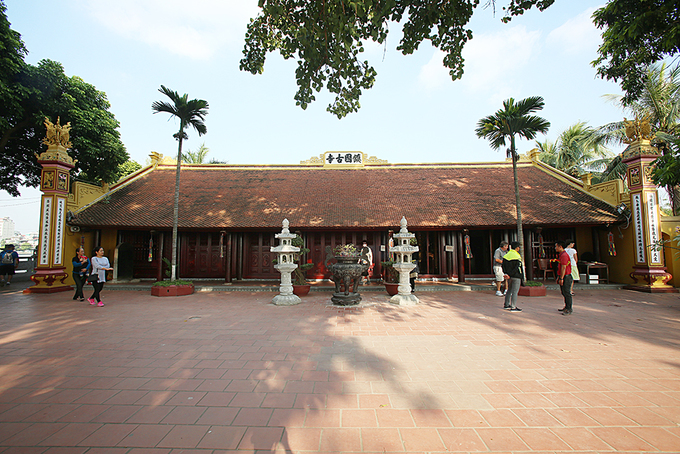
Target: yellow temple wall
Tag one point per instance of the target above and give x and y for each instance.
(584, 240)
(621, 265)
(670, 228)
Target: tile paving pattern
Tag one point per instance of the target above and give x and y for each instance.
(229, 372)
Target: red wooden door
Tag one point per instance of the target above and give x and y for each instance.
(202, 256)
(259, 258)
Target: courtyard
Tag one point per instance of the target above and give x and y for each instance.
(219, 372)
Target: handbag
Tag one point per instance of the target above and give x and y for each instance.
(92, 278)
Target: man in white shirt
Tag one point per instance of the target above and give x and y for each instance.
(498, 267)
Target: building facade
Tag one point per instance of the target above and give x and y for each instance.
(229, 215)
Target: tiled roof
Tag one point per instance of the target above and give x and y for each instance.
(230, 197)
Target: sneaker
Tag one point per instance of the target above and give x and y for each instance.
(562, 310)
(565, 312)
(91, 301)
(515, 309)
(506, 307)
(505, 292)
(498, 293)
(100, 304)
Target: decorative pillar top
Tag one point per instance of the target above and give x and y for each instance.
(638, 136)
(57, 141)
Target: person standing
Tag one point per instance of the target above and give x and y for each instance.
(514, 274)
(573, 256)
(81, 265)
(498, 268)
(100, 265)
(413, 275)
(564, 278)
(366, 252)
(9, 262)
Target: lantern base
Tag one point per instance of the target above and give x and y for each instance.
(49, 281)
(404, 300)
(655, 280)
(286, 300)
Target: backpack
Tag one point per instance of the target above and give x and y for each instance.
(8, 258)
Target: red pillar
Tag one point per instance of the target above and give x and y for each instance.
(50, 270)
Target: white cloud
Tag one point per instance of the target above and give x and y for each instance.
(492, 61)
(433, 74)
(197, 29)
(577, 35)
(499, 58)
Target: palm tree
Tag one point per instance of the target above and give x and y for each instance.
(190, 113)
(514, 119)
(196, 157)
(579, 149)
(660, 104)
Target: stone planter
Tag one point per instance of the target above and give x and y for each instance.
(346, 275)
(172, 290)
(301, 290)
(392, 288)
(538, 290)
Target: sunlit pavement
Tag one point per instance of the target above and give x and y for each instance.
(229, 372)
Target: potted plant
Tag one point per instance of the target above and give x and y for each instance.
(390, 277)
(346, 252)
(300, 285)
(532, 288)
(177, 287)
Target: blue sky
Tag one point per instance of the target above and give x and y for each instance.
(414, 113)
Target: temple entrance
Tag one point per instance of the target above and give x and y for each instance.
(203, 256)
(431, 253)
(482, 254)
(146, 252)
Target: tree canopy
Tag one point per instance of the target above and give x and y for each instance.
(30, 93)
(327, 37)
(579, 149)
(636, 33)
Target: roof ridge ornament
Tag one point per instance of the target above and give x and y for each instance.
(343, 159)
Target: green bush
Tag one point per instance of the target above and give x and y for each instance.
(169, 283)
(533, 284)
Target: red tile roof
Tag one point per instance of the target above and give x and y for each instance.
(429, 196)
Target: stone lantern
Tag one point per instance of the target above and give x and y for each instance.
(286, 265)
(403, 252)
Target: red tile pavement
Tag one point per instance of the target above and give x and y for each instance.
(219, 372)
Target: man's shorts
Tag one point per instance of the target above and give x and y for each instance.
(7, 269)
(498, 271)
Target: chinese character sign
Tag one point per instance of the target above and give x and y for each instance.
(335, 158)
(637, 224)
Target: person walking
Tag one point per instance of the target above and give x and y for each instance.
(81, 265)
(100, 265)
(564, 278)
(9, 262)
(514, 275)
(573, 256)
(498, 268)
